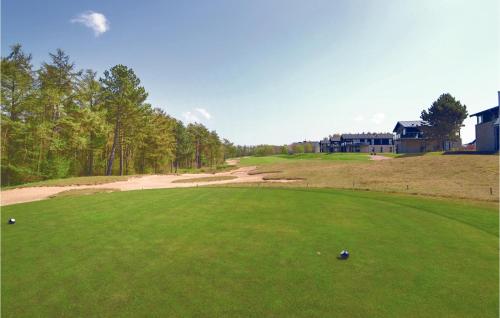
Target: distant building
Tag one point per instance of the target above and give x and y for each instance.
(364, 142)
(367, 142)
(487, 129)
(410, 138)
(330, 144)
(309, 146)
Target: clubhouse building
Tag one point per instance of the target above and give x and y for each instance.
(364, 142)
(409, 137)
(487, 129)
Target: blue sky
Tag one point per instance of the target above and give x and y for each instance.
(278, 71)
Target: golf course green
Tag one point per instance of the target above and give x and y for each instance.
(250, 252)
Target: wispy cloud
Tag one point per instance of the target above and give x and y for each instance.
(203, 112)
(359, 118)
(94, 20)
(197, 115)
(378, 118)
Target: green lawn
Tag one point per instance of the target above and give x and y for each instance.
(251, 161)
(249, 252)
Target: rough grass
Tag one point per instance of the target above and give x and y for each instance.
(252, 161)
(78, 192)
(71, 181)
(247, 252)
(220, 168)
(204, 179)
(456, 176)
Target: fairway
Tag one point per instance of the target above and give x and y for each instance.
(250, 252)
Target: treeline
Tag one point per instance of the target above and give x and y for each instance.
(267, 150)
(58, 121)
(259, 150)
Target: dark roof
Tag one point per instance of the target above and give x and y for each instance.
(409, 124)
(367, 135)
(492, 109)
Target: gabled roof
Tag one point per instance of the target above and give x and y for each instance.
(492, 109)
(409, 124)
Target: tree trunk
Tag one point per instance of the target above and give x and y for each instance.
(121, 156)
(113, 148)
(198, 155)
(90, 163)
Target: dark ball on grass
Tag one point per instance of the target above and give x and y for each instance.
(12, 221)
(344, 254)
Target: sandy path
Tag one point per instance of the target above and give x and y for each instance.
(379, 157)
(134, 183)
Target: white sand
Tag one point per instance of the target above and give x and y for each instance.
(378, 157)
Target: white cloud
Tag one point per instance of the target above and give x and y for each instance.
(359, 118)
(203, 112)
(94, 20)
(196, 116)
(378, 118)
(189, 117)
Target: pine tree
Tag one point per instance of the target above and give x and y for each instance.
(444, 119)
(123, 97)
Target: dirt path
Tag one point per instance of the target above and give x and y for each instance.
(379, 157)
(233, 162)
(135, 183)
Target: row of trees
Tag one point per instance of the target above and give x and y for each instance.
(267, 150)
(58, 121)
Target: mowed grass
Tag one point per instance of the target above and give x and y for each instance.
(247, 252)
(456, 176)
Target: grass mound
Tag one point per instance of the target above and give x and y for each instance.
(205, 179)
(71, 181)
(248, 252)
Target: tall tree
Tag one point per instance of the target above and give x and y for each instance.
(92, 117)
(184, 149)
(57, 82)
(16, 93)
(198, 135)
(159, 144)
(123, 97)
(230, 150)
(444, 119)
(17, 81)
